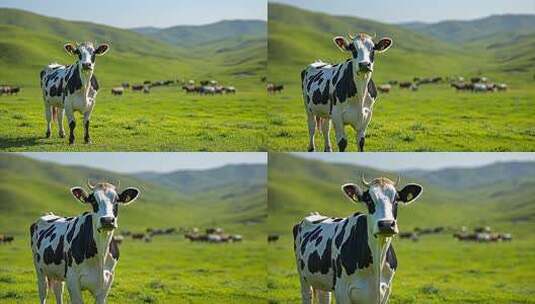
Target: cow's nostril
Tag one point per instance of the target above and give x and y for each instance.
(106, 220)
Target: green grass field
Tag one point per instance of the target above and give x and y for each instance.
(170, 269)
(436, 118)
(437, 268)
(165, 120)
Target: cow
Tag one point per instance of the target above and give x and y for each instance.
(385, 88)
(79, 250)
(117, 91)
(230, 90)
(72, 88)
(405, 85)
(125, 85)
(343, 93)
(353, 256)
(272, 238)
(137, 87)
(501, 87)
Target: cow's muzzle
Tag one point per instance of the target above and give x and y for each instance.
(365, 67)
(108, 223)
(87, 66)
(387, 227)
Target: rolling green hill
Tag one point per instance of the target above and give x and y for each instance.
(29, 41)
(298, 186)
(189, 36)
(465, 31)
(29, 188)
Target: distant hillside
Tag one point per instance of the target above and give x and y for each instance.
(299, 186)
(188, 36)
(29, 188)
(467, 31)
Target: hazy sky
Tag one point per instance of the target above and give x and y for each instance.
(135, 13)
(394, 11)
(157, 162)
(435, 160)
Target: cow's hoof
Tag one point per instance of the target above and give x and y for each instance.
(61, 134)
(329, 149)
(342, 145)
(47, 134)
(88, 141)
(311, 149)
(71, 141)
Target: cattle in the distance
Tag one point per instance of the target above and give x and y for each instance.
(274, 88)
(80, 251)
(117, 91)
(9, 90)
(72, 88)
(352, 257)
(272, 238)
(343, 93)
(137, 87)
(405, 85)
(384, 88)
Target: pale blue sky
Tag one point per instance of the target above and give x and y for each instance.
(402, 161)
(136, 13)
(395, 11)
(157, 162)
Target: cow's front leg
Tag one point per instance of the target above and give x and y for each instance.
(42, 285)
(324, 297)
(57, 287)
(61, 130)
(340, 135)
(87, 117)
(306, 292)
(75, 291)
(311, 121)
(361, 140)
(326, 129)
(48, 116)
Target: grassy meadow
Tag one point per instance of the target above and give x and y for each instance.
(436, 117)
(437, 268)
(164, 120)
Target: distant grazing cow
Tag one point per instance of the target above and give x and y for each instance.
(125, 85)
(237, 238)
(117, 91)
(146, 89)
(79, 250)
(405, 85)
(6, 239)
(137, 87)
(138, 236)
(385, 88)
(67, 89)
(272, 238)
(353, 256)
(230, 90)
(207, 90)
(480, 87)
(393, 82)
(343, 93)
(502, 87)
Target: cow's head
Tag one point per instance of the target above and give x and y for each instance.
(86, 53)
(363, 49)
(382, 198)
(105, 202)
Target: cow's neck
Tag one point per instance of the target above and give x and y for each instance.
(378, 246)
(361, 82)
(85, 78)
(102, 240)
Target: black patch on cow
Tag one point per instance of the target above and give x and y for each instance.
(372, 90)
(114, 250)
(53, 220)
(340, 237)
(391, 258)
(367, 199)
(355, 252)
(317, 263)
(395, 209)
(337, 219)
(295, 231)
(91, 199)
(301, 264)
(70, 233)
(74, 83)
(56, 90)
(52, 237)
(42, 74)
(54, 256)
(83, 245)
(44, 234)
(307, 236)
(345, 88)
(320, 220)
(94, 83)
(115, 209)
(33, 227)
(318, 240)
(372, 56)
(342, 145)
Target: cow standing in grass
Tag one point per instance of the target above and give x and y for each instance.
(343, 93)
(72, 88)
(353, 256)
(80, 250)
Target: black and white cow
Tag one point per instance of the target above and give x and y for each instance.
(353, 256)
(67, 89)
(79, 250)
(344, 92)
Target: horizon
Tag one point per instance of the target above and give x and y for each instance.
(138, 162)
(422, 11)
(426, 161)
(159, 14)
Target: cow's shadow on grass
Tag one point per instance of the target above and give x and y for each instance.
(10, 142)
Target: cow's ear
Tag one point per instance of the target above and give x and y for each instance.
(128, 196)
(80, 194)
(409, 193)
(353, 192)
(70, 48)
(102, 49)
(383, 45)
(342, 43)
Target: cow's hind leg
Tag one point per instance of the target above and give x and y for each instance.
(72, 124)
(324, 297)
(48, 116)
(57, 287)
(61, 130)
(42, 285)
(326, 129)
(75, 291)
(306, 293)
(87, 117)
(340, 135)
(311, 120)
